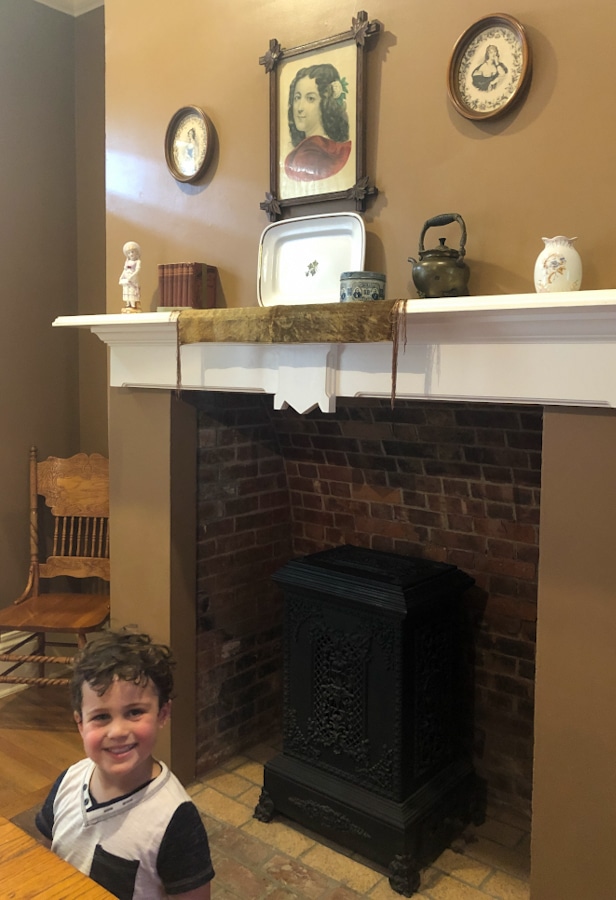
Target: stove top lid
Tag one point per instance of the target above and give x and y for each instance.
(377, 565)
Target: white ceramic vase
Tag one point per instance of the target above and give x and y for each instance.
(558, 266)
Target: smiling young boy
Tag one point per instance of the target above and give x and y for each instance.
(120, 816)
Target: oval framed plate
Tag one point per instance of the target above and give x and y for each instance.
(189, 143)
(490, 67)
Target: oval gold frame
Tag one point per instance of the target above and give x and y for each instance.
(172, 130)
(516, 91)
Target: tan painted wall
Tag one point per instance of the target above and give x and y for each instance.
(38, 366)
(52, 262)
(544, 169)
(574, 814)
(90, 251)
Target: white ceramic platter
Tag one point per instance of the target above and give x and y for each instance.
(301, 260)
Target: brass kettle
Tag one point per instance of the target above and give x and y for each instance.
(441, 272)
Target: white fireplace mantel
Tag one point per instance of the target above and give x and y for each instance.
(550, 349)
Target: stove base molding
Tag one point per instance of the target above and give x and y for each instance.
(403, 837)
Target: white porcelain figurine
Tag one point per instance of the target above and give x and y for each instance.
(129, 279)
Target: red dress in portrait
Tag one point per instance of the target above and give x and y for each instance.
(316, 157)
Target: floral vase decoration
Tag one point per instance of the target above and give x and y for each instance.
(558, 266)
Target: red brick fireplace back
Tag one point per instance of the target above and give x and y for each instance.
(456, 483)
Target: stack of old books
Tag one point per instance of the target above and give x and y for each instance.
(187, 285)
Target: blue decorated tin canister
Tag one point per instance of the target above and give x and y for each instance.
(362, 286)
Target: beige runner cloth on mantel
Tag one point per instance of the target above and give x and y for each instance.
(315, 323)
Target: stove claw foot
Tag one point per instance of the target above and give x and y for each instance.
(404, 875)
(264, 810)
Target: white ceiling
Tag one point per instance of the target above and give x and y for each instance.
(72, 7)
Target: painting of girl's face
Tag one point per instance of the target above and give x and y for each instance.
(317, 111)
(307, 107)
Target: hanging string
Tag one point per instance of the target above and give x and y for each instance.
(178, 360)
(398, 319)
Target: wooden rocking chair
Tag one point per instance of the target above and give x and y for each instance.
(73, 524)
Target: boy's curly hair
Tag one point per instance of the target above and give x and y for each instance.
(126, 656)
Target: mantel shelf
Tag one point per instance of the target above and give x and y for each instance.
(550, 349)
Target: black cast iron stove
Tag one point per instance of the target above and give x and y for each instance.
(375, 709)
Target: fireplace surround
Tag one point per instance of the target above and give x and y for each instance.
(558, 355)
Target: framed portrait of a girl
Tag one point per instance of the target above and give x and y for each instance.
(317, 125)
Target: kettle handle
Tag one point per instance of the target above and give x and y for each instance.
(438, 222)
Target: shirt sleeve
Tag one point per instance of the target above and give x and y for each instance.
(44, 817)
(184, 861)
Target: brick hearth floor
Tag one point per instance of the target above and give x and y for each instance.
(279, 861)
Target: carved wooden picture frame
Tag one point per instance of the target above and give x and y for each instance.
(317, 120)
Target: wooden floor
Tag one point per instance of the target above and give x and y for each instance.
(38, 740)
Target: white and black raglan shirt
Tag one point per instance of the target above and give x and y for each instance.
(146, 845)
